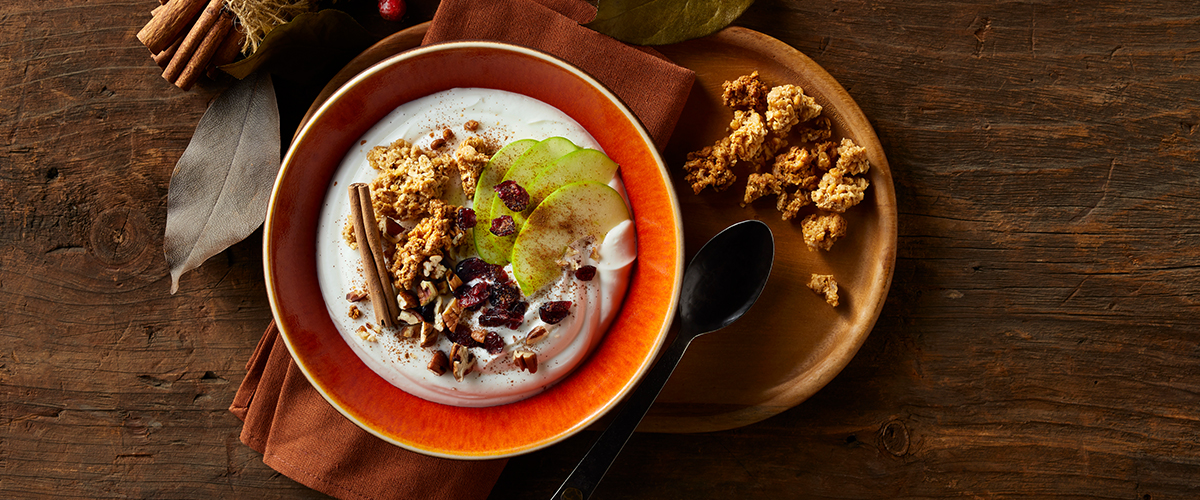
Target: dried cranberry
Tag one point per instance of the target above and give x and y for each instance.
(498, 275)
(466, 218)
(472, 297)
(504, 226)
(515, 197)
(585, 273)
(493, 343)
(494, 317)
(553, 312)
(462, 336)
(504, 295)
(516, 314)
(473, 267)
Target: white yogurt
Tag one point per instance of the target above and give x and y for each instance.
(503, 117)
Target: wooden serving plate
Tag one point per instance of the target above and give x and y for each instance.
(791, 343)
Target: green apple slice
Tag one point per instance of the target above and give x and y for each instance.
(569, 213)
(523, 170)
(579, 166)
(491, 175)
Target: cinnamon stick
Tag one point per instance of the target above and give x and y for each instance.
(169, 24)
(231, 46)
(373, 239)
(374, 286)
(194, 38)
(204, 53)
(162, 59)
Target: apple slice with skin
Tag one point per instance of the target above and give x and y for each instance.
(569, 213)
(523, 170)
(491, 175)
(579, 166)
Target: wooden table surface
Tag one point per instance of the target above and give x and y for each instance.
(1040, 338)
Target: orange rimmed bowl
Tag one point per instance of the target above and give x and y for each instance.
(290, 261)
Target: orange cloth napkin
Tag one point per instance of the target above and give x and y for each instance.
(285, 419)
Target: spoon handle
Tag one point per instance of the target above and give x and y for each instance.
(583, 480)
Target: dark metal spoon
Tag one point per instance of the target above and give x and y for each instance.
(723, 280)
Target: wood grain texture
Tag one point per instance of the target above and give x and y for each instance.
(1040, 338)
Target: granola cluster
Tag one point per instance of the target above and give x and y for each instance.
(778, 133)
(780, 138)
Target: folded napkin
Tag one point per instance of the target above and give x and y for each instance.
(287, 420)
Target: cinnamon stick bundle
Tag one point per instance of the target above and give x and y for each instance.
(198, 63)
(370, 249)
(169, 24)
(194, 38)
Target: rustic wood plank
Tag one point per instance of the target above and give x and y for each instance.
(1039, 340)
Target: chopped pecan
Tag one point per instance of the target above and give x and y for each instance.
(440, 363)
(463, 360)
(536, 335)
(356, 295)
(526, 360)
(451, 314)
(429, 335)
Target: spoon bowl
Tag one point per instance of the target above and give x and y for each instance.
(723, 280)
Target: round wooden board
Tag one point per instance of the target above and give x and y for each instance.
(791, 343)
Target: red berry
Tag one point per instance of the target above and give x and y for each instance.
(585, 273)
(553, 312)
(504, 226)
(391, 10)
(466, 218)
(515, 197)
(493, 343)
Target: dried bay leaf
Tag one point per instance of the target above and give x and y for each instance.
(221, 185)
(662, 22)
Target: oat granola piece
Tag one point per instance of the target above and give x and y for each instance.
(348, 235)
(787, 106)
(747, 131)
(796, 167)
(825, 286)
(710, 167)
(432, 236)
(471, 156)
(759, 185)
(409, 180)
(746, 92)
(789, 207)
(822, 230)
(852, 158)
(770, 148)
(826, 154)
(819, 129)
(838, 192)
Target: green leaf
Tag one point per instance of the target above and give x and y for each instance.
(662, 22)
(299, 49)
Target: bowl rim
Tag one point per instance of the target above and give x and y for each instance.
(659, 338)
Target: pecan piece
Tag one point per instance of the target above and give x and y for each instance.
(429, 335)
(439, 364)
(526, 360)
(463, 361)
(537, 335)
